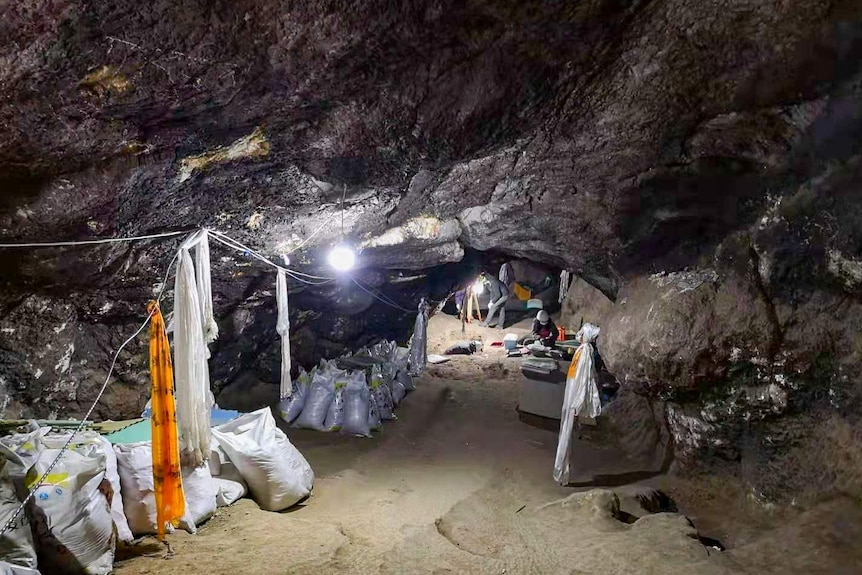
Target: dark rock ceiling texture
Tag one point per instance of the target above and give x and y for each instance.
(698, 161)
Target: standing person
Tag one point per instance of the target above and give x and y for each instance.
(499, 295)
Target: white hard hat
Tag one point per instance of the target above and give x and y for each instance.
(543, 317)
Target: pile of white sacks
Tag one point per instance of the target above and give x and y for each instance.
(331, 399)
(99, 494)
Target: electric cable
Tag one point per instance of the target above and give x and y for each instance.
(232, 243)
(382, 298)
(89, 242)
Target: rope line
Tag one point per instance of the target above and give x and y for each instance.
(317, 231)
(381, 297)
(232, 243)
(90, 242)
(237, 245)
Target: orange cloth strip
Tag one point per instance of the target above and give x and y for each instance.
(167, 475)
(573, 367)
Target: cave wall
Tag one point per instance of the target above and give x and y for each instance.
(647, 146)
(755, 350)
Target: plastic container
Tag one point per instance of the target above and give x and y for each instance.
(510, 341)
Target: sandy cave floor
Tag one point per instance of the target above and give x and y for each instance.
(459, 485)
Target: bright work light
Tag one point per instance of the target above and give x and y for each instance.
(342, 258)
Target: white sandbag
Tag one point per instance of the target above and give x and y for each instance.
(356, 405)
(12, 569)
(219, 462)
(124, 533)
(320, 395)
(199, 491)
(419, 341)
(277, 474)
(382, 395)
(214, 463)
(16, 545)
(135, 467)
(70, 514)
(57, 441)
(290, 407)
(326, 365)
(374, 422)
(228, 480)
(398, 392)
(335, 413)
(229, 492)
(399, 357)
(390, 372)
(405, 379)
(21, 451)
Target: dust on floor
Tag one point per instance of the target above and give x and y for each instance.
(459, 485)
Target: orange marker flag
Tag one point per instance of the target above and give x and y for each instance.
(167, 475)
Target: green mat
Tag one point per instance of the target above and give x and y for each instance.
(140, 431)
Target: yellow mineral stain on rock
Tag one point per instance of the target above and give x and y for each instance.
(254, 145)
(105, 80)
(427, 228)
(254, 221)
(134, 147)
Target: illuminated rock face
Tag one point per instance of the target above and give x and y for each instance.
(639, 144)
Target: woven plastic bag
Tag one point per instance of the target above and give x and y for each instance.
(16, 545)
(374, 421)
(200, 494)
(277, 474)
(71, 514)
(56, 441)
(356, 406)
(335, 413)
(21, 451)
(135, 466)
(290, 407)
(398, 392)
(405, 379)
(419, 341)
(13, 569)
(382, 394)
(319, 396)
